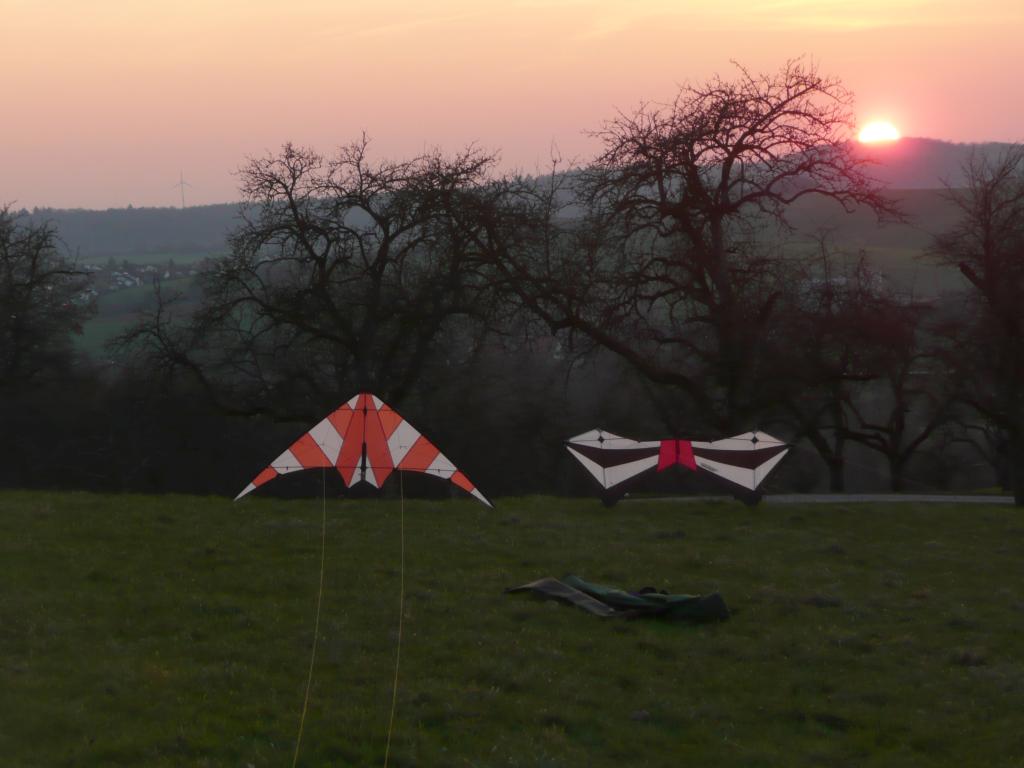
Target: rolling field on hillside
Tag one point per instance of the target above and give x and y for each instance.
(176, 630)
(117, 311)
(894, 249)
(156, 259)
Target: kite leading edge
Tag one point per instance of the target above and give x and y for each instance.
(365, 440)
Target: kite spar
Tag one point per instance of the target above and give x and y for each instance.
(365, 440)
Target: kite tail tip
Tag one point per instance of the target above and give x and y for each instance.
(480, 497)
(248, 489)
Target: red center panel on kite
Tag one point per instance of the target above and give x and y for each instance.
(743, 460)
(365, 440)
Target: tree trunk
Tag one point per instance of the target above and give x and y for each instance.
(836, 475)
(895, 475)
(1004, 478)
(1017, 467)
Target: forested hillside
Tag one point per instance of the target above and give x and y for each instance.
(915, 170)
(127, 233)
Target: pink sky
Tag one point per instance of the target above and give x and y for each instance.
(105, 102)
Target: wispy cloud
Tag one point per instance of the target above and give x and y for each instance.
(601, 19)
(870, 14)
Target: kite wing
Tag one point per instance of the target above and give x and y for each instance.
(365, 440)
(612, 459)
(743, 460)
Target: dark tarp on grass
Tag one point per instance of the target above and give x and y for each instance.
(601, 600)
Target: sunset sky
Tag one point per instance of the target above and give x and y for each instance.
(105, 101)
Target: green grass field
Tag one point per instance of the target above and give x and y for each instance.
(176, 631)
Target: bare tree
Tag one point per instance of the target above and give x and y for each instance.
(674, 264)
(345, 274)
(910, 398)
(987, 246)
(43, 303)
(830, 347)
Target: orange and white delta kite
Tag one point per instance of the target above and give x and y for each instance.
(365, 440)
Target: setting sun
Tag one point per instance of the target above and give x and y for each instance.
(878, 130)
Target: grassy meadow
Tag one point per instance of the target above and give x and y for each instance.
(176, 630)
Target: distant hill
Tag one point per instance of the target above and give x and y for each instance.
(133, 232)
(918, 174)
(914, 169)
(915, 163)
(895, 249)
(928, 212)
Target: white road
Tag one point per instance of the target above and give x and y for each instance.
(882, 498)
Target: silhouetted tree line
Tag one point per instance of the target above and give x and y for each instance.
(654, 291)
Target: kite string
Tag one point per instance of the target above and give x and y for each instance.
(316, 622)
(401, 612)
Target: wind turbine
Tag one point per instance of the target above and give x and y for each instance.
(181, 185)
